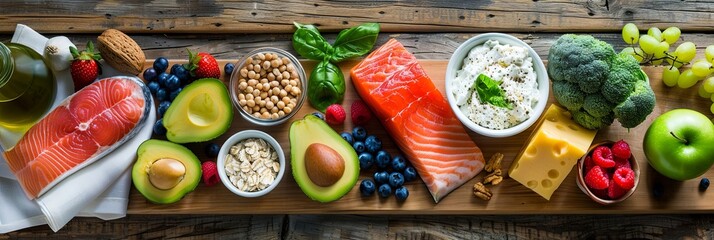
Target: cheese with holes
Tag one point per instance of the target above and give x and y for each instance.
(551, 152)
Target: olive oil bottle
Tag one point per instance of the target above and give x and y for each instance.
(27, 87)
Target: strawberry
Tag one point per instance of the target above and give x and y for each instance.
(85, 67)
(335, 114)
(210, 173)
(360, 113)
(202, 65)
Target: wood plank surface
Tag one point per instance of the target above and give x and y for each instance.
(275, 16)
(510, 197)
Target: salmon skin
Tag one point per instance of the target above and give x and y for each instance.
(82, 129)
(418, 118)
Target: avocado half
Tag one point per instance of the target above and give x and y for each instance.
(307, 133)
(164, 171)
(201, 112)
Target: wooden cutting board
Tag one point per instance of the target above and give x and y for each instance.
(510, 197)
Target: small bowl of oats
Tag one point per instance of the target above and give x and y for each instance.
(251, 163)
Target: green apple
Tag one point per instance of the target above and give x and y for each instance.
(680, 144)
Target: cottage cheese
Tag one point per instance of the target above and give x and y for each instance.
(513, 67)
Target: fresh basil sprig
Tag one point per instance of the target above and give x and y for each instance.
(490, 92)
(327, 83)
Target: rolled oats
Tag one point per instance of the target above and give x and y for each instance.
(252, 165)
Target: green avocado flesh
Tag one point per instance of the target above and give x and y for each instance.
(149, 167)
(311, 130)
(201, 112)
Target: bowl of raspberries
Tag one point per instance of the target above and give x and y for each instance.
(608, 173)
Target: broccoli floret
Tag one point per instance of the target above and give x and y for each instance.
(597, 106)
(580, 59)
(586, 120)
(621, 80)
(637, 106)
(568, 95)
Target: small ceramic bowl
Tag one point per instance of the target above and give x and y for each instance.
(238, 137)
(236, 77)
(456, 62)
(581, 176)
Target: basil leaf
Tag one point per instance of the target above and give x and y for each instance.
(490, 92)
(308, 42)
(325, 86)
(355, 41)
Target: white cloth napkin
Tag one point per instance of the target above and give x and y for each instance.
(101, 189)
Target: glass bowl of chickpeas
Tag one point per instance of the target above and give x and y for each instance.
(268, 86)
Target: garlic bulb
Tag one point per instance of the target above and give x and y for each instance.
(57, 52)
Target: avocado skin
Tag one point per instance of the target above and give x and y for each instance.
(152, 150)
(311, 130)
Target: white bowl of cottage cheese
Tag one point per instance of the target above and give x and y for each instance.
(496, 85)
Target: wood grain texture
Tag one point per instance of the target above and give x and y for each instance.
(235, 16)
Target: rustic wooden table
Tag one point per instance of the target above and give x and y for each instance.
(430, 29)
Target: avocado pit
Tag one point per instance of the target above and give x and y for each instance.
(166, 173)
(323, 164)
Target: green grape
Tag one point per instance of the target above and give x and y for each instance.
(708, 85)
(686, 51)
(687, 79)
(635, 52)
(709, 53)
(711, 109)
(712, 98)
(703, 93)
(630, 33)
(655, 33)
(670, 76)
(648, 44)
(660, 53)
(702, 68)
(671, 35)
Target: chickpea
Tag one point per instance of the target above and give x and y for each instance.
(266, 85)
(256, 92)
(241, 96)
(294, 83)
(252, 82)
(268, 56)
(295, 91)
(243, 102)
(275, 63)
(262, 104)
(256, 67)
(282, 68)
(251, 74)
(283, 93)
(286, 75)
(257, 99)
(263, 81)
(261, 56)
(274, 99)
(285, 60)
(276, 72)
(259, 86)
(249, 89)
(256, 114)
(290, 67)
(275, 116)
(244, 72)
(264, 95)
(263, 110)
(242, 85)
(250, 103)
(269, 105)
(265, 115)
(281, 113)
(287, 110)
(249, 66)
(271, 76)
(274, 110)
(286, 100)
(266, 64)
(247, 109)
(274, 83)
(281, 105)
(288, 88)
(276, 91)
(256, 109)
(284, 82)
(249, 96)
(262, 73)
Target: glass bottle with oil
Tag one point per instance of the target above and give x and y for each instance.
(27, 87)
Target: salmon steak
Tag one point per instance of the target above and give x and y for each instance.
(83, 128)
(418, 118)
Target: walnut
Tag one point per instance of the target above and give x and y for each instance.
(494, 178)
(482, 192)
(494, 163)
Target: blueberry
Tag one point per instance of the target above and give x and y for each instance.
(159, 128)
(175, 93)
(410, 174)
(163, 106)
(381, 177)
(703, 184)
(383, 159)
(153, 86)
(162, 79)
(366, 160)
(359, 147)
(402, 193)
(162, 95)
(385, 190)
(373, 143)
(367, 187)
(161, 64)
(399, 163)
(359, 133)
(181, 72)
(320, 116)
(150, 74)
(173, 82)
(396, 179)
(347, 137)
(212, 150)
(228, 69)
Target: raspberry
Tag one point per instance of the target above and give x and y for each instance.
(624, 178)
(596, 178)
(619, 163)
(589, 164)
(601, 193)
(602, 156)
(614, 191)
(210, 173)
(335, 114)
(621, 150)
(360, 113)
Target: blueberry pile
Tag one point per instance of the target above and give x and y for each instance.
(165, 86)
(391, 173)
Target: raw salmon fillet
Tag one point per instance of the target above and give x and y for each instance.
(418, 118)
(85, 125)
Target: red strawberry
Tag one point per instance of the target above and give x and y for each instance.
(596, 178)
(624, 178)
(84, 67)
(210, 173)
(621, 150)
(202, 65)
(335, 114)
(602, 156)
(360, 113)
(614, 191)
